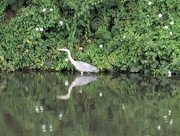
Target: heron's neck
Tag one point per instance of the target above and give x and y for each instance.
(70, 58)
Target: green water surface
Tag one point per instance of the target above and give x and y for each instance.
(66, 104)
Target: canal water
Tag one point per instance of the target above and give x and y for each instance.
(67, 104)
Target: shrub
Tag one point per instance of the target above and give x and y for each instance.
(135, 36)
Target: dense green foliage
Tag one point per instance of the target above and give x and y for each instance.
(126, 105)
(135, 36)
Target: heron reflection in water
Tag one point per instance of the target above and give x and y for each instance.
(80, 65)
(79, 81)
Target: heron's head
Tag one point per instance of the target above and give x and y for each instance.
(63, 49)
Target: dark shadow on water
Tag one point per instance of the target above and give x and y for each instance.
(123, 105)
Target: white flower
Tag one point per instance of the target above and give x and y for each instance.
(81, 48)
(124, 37)
(66, 83)
(37, 109)
(100, 45)
(61, 23)
(66, 59)
(165, 117)
(172, 23)
(166, 27)
(37, 29)
(169, 73)
(44, 9)
(171, 122)
(41, 29)
(160, 15)
(169, 112)
(170, 33)
(51, 9)
(100, 94)
(149, 3)
(44, 128)
(158, 127)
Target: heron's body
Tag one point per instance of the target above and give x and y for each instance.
(80, 65)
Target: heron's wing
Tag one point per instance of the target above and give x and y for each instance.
(85, 67)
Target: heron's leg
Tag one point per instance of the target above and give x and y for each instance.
(81, 73)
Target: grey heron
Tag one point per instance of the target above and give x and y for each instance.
(80, 65)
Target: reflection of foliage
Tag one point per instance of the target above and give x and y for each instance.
(134, 102)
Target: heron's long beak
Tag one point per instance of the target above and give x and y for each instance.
(60, 49)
